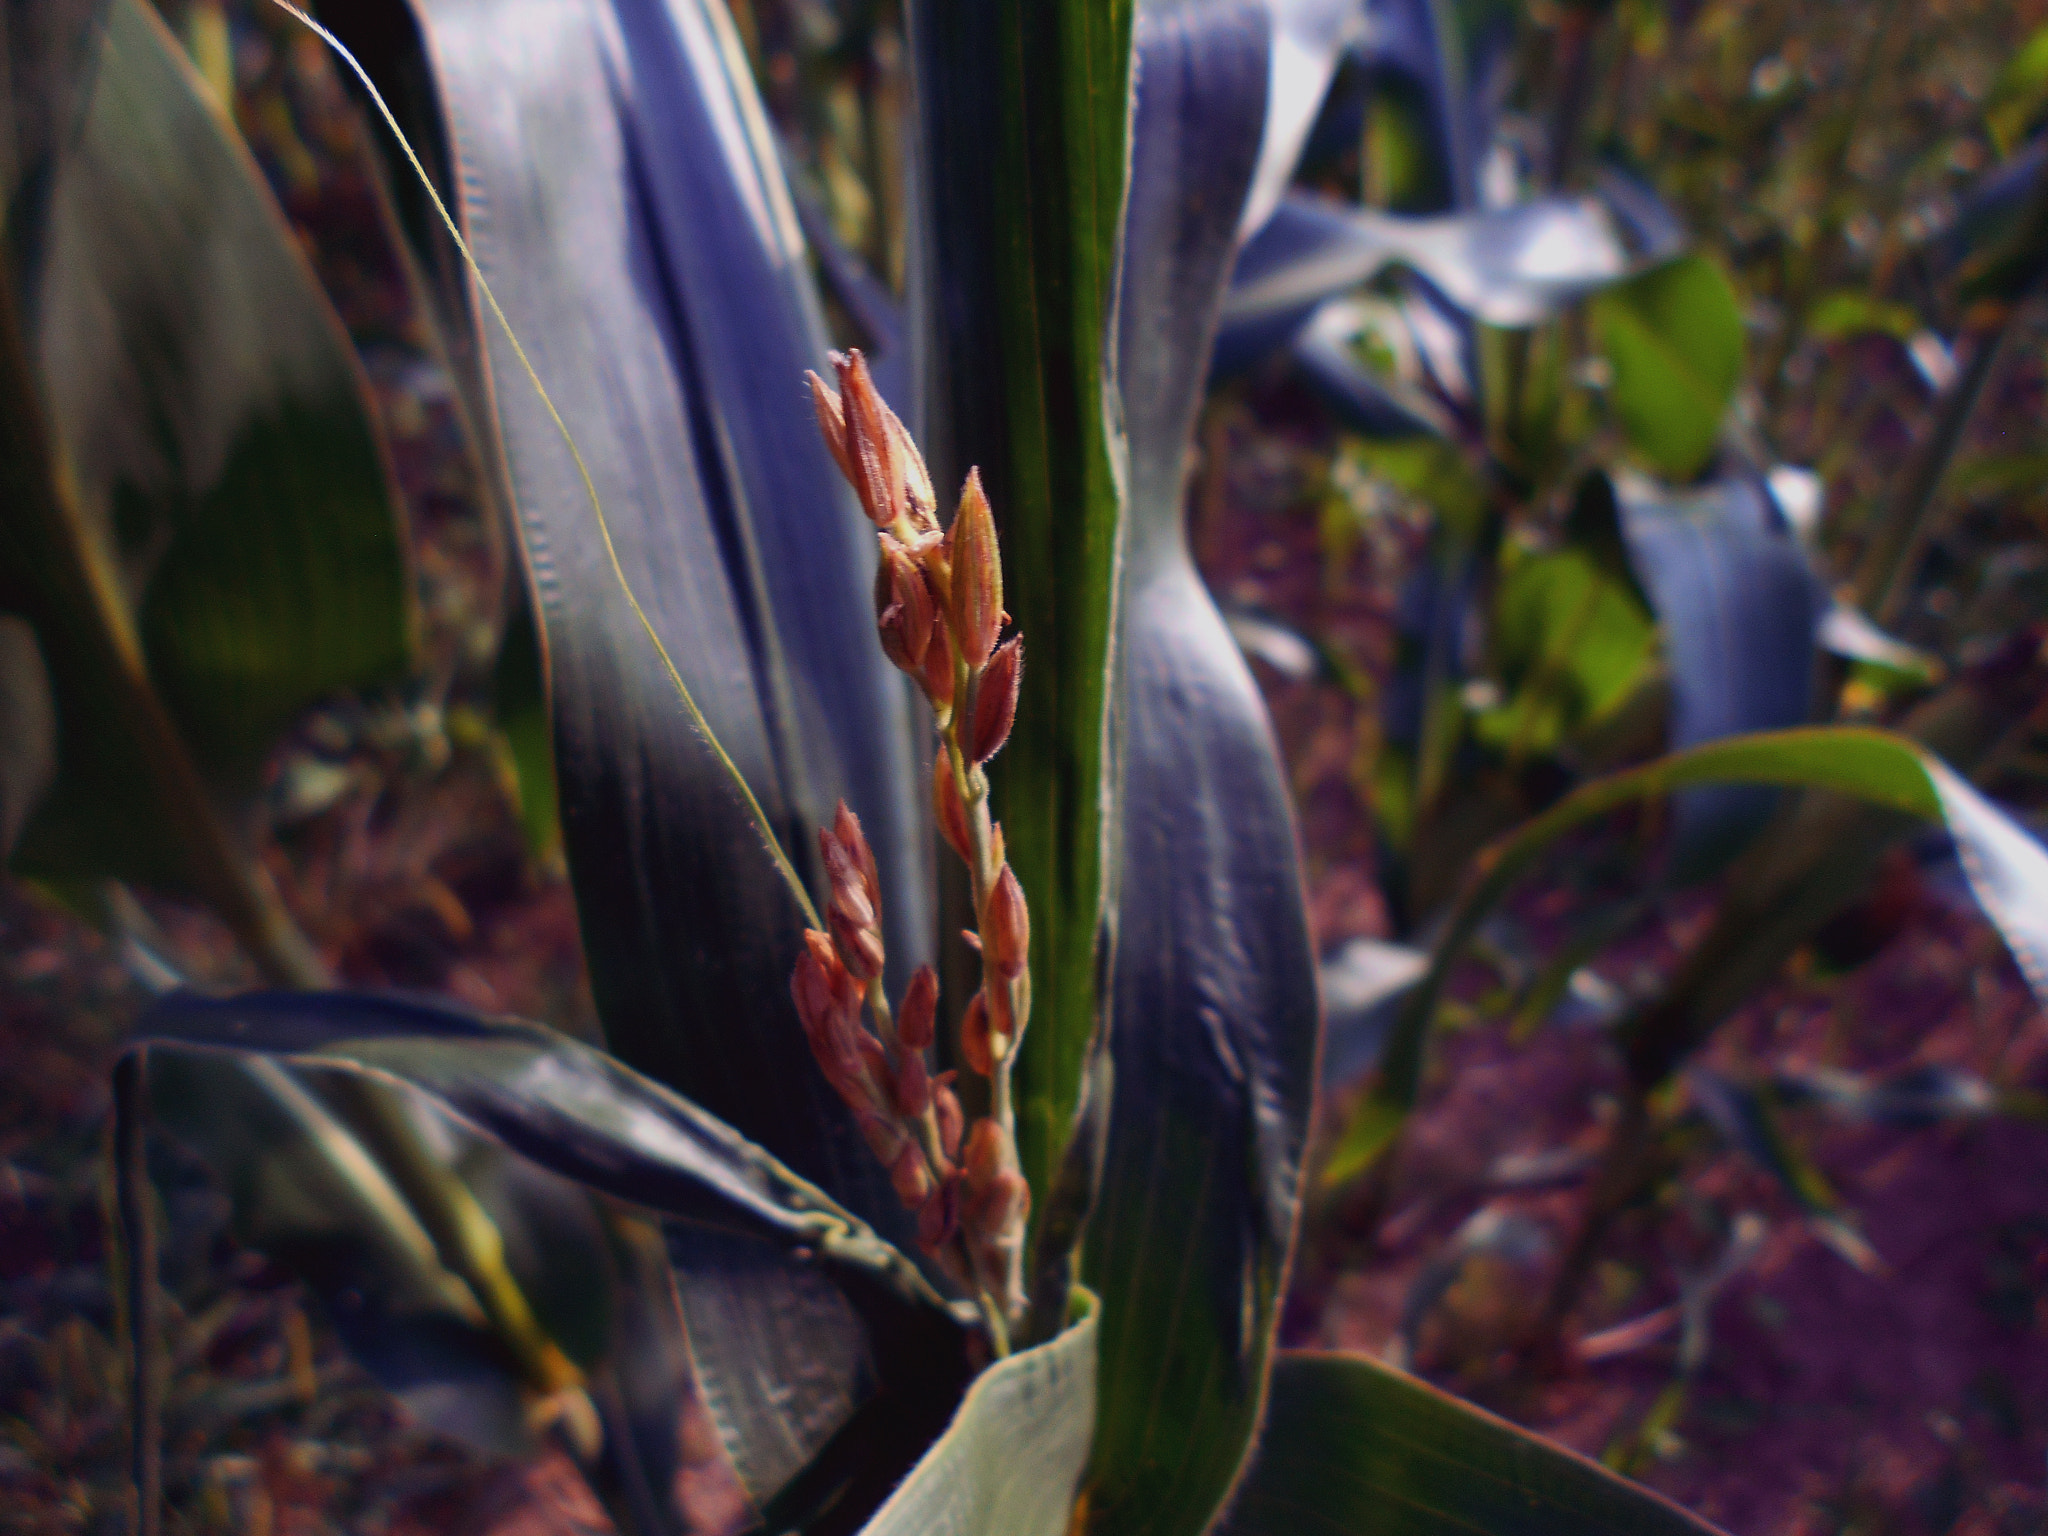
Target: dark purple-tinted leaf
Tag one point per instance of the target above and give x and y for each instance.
(1910, 1098)
(885, 336)
(1214, 1020)
(809, 1330)
(1649, 227)
(1352, 1448)
(630, 212)
(1739, 607)
(1361, 399)
(1510, 266)
(1309, 37)
(1997, 247)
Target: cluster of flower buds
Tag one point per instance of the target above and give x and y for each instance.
(883, 1078)
(939, 614)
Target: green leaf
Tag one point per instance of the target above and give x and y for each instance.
(1023, 238)
(1434, 472)
(1352, 1448)
(1673, 337)
(2008, 870)
(1012, 1457)
(1838, 316)
(46, 65)
(224, 549)
(1572, 638)
(2019, 95)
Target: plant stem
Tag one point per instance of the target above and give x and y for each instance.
(1620, 1178)
(1884, 575)
(1573, 68)
(145, 1320)
(972, 786)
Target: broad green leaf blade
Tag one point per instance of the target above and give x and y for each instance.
(1352, 1448)
(1214, 1009)
(762, 1257)
(1570, 639)
(1012, 1458)
(630, 215)
(2007, 869)
(1024, 109)
(2019, 93)
(227, 479)
(1845, 313)
(1673, 336)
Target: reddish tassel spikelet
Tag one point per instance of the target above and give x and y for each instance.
(976, 612)
(976, 1048)
(938, 1221)
(938, 615)
(1006, 927)
(854, 908)
(946, 1104)
(905, 610)
(870, 450)
(946, 807)
(914, 1020)
(995, 700)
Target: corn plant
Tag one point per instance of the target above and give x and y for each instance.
(930, 1267)
(884, 1342)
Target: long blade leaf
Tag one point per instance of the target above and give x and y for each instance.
(2007, 869)
(1352, 1448)
(226, 551)
(1024, 109)
(863, 1349)
(628, 210)
(1214, 1021)
(1014, 1453)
